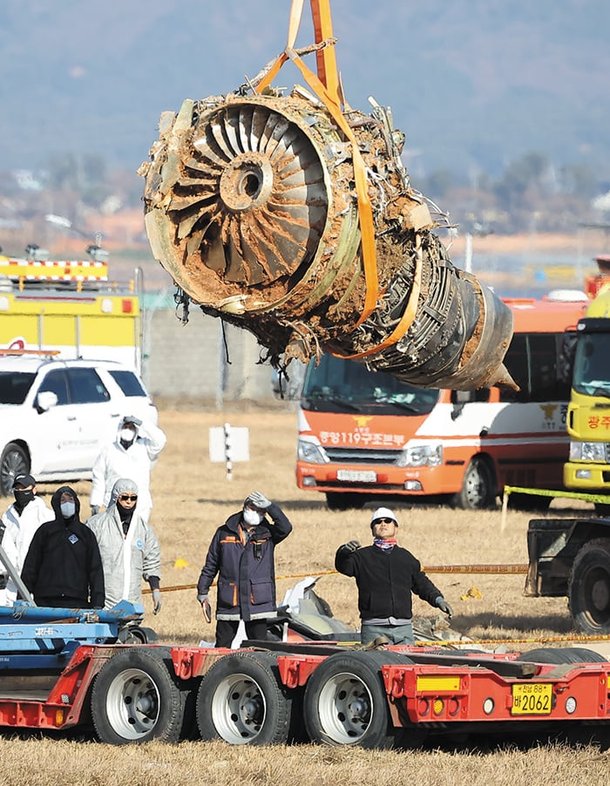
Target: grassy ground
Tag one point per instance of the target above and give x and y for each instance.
(192, 497)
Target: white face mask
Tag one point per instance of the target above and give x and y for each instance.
(252, 517)
(127, 435)
(68, 509)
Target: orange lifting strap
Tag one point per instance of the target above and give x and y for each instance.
(327, 88)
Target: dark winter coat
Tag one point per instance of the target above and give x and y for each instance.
(245, 568)
(63, 567)
(385, 581)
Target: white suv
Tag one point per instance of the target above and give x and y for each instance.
(55, 415)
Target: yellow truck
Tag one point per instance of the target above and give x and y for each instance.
(68, 308)
(588, 421)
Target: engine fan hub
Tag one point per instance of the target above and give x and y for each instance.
(246, 183)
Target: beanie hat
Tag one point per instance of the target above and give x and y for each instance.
(382, 513)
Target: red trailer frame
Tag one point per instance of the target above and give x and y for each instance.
(440, 688)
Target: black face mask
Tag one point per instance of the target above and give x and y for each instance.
(125, 514)
(22, 498)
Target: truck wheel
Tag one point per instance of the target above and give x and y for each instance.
(242, 701)
(347, 501)
(14, 461)
(561, 655)
(478, 486)
(345, 702)
(589, 587)
(136, 698)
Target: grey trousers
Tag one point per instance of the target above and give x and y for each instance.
(397, 634)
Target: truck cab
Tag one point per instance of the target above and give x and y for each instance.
(588, 422)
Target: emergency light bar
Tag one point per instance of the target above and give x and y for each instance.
(56, 270)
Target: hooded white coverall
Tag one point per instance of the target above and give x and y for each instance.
(135, 462)
(18, 534)
(126, 559)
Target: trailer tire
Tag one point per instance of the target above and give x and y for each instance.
(589, 587)
(478, 490)
(14, 461)
(137, 698)
(345, 702)
(561, 655)
(242, 701)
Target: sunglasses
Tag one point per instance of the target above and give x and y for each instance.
(128, 498)
(385, 521)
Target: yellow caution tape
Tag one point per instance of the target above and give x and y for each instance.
(560, 493)
(530, 640)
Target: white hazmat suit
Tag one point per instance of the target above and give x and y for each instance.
(128, 460)
(19, 529)
(126, 558)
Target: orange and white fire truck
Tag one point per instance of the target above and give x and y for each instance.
(70, 308)
(363, 434)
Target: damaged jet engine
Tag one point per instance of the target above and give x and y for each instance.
(281, 215)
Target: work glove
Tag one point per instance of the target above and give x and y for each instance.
(444, 606)
(156, 596)
(207, 609)
(131, 419)
(353, 545)
(260, 500)
(95, 509)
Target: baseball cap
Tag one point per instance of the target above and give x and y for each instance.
(383, 513)
(24, 480)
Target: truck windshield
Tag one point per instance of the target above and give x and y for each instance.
(14, 386)
(591, 375)
(338, 385)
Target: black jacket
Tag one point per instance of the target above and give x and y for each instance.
(386, 580)
(246, 580)
(63, 566)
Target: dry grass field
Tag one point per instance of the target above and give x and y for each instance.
(191, 498)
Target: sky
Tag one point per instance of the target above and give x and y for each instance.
(473, 83)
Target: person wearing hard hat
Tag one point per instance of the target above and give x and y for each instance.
(386, 574)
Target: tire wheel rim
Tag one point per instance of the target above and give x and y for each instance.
(12, 465)
(239, 709)
(345, 709)
(475, 489)
(597, 596)
(133, 704)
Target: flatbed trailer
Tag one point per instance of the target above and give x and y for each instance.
(274, 692)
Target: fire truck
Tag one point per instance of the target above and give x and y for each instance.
(69, 308)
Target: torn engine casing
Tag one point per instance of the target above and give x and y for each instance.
(251, 206)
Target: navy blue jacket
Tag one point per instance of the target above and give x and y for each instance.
(245, 567)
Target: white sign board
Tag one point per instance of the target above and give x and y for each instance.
(229, 443)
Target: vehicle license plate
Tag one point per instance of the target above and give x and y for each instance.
(532, 699)
(357, 475)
